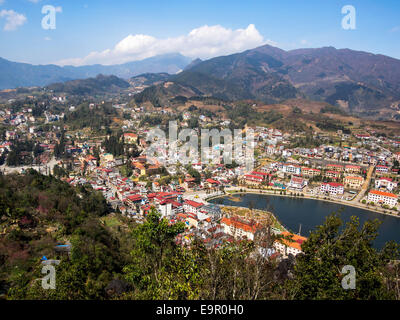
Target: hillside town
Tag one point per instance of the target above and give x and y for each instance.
(357, 169)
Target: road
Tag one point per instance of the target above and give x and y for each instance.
(365, 186)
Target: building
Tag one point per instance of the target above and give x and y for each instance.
(190, 206)
(310, 172)
(132, 200)
(290, 244)
(382, 169)
(139, 169)
(130, 138)
(297, 183)
(264, 175)
(291, 169)
(352, 169)
(106, 158)
(332, 187)
(385, 183)
(387, 198)
(332, 174)
(353, 182)
(211, 183)
(253, 179)
(240, 228)
(165, 209)
(334, 167)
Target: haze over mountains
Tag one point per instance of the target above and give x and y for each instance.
(14, 74)
(357, 81)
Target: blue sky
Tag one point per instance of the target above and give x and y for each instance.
(104, 31)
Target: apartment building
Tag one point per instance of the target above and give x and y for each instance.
(387, 183)
(332, 188)
(290, 245)
(240, 228)
(381, 197)
(353, 182)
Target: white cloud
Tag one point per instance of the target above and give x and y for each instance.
(35, 1)
(13, 19)
(1, 2)
(203, 42)
(47, 38)
(58, 9)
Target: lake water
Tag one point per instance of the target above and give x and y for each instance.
(292, 212)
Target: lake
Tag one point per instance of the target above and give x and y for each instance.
(292, 212)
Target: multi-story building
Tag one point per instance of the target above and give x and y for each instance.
(353, 182)
(240, 228)
(332, 174)
(387, 198)
(332, 187)
(190, 206)
(291, 169)
(387, 183)
(264, 175)
(130, 138)
(253, 179)
(297, 183)
(334, 167)
(382, 169)
(310, 172)
(289, 246)
(352, 169)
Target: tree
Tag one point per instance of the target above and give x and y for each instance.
(153, 255)
(317, 273)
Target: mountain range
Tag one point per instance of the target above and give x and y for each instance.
(356, 81)
(14, 74)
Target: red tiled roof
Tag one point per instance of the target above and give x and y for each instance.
(253, 176)
(193, 203)
(135, 197)
(259, 173)
(334, 184)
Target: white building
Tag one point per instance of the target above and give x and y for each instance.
(291, 169)
(286, 247)
(382, 169)
(190, 206)
(332, 187)
(385, 183)
(297, 183)
(240, 228)
(387, 198)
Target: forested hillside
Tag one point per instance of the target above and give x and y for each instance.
(113, 258)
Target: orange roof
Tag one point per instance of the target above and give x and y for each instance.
(138, 165)
(382, 193)
(249, 226)
(296, 240)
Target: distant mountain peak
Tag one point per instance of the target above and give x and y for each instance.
(15, 74)
(360, 82)
(194, 63)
